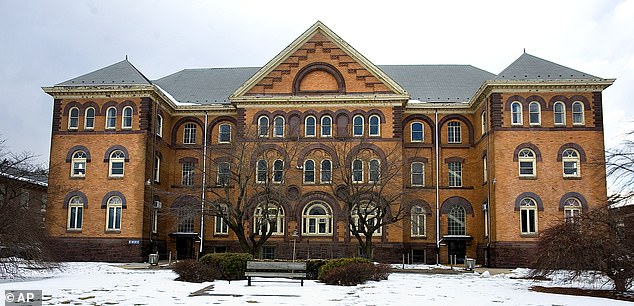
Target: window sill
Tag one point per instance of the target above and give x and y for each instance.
(572, 178)
(73, 231)
(528, 177)
(419, 237)
(114, 232)
(536, 235)
(77, 177)
(221, 235)
(115, 177)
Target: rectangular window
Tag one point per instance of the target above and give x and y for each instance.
(268, 252)
(189, 134)
(224, 135)
(3, 192)
(375, 171)
(418, 174)
(220, 226)
(116, 168)
(262, 169)
(223, 174)
(526, 168)
(326, 171)
(75, 217)
(455, 174)
(528, 221)
(188, 174)
(485, 169)
(357, 171)
(154, 221)
(454, 134)
(157, 169)
(570, 168)
(185, 221)
(24, 198)
(159, 126)
(114, 218)
(418, 225)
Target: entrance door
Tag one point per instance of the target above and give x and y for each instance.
(458, 249)
(185, 247)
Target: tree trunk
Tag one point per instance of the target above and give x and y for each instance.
(620, 284)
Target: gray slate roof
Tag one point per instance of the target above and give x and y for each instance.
(530, 67)
(121, 73)
(426, 83)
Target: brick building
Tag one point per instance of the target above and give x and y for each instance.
(486, 161)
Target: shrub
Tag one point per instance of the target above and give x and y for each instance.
(193, 271)
(352, 271)
(312, 267)
(230, 266)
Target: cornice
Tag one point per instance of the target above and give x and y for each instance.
(326, 99)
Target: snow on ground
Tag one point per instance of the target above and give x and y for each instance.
(111, 284)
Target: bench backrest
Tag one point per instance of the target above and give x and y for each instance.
(275, 265)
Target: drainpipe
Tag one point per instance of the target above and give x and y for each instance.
(437, 138)
(489, 182)
(204, 180)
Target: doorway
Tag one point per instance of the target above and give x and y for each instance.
(457, 248)
(185, 247)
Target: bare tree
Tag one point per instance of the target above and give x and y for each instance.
(368, 181)
(595, 244)
(620, 171)
(23, 240)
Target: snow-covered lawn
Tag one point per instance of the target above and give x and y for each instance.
(110, 284)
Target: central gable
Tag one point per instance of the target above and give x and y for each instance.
(319, 63)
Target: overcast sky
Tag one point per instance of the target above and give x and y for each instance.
(43, 43)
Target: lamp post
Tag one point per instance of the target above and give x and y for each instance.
(295, 235)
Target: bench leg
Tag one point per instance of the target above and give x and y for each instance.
(248, 280)
(302, 282)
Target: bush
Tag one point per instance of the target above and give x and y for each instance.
(352, 271)
(193, 271)
(312, 268)
(230, 266)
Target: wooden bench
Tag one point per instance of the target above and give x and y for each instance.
(293, 270)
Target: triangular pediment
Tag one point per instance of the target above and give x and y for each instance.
(319, 63)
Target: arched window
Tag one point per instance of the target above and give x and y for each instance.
(73, 118)
(117, 159)
(375, 171)
(516, 113)
(278, 126)
(572, 209)
(224, 133)
(185, 216)
(418, 227)
(263, 126)
(310, 126)
(326, 126)
(75, 213)
(577, 113)
(189, 133)
(357, 125)
(535, 113)
(262, 171)
(278, 171)
(528, 216)
(126, 119)
(268, 218)
(309, 172)
(570, 163)
(317, 219)
(375, 125)
(357, 171)
(526, 158)
(111, 118)
(454, 132)
(456, 221)
(326, 171)
(365, 217)
(417, 131)
(418, 174)
(89, 118)
(78, 164)
(559, 111)
(113, 213)
(159, 125)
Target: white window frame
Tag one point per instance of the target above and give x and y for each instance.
(116, 157)
(418, 222)
(220, 226)
(278, 126)
(454, 132)
(277, 171)
(154, 221)
(78, 162)
(571, 156)
(358, 125)
(75, 214)
(159, 125)
(457, 221)
(357, 171)
(374, 125)
(224, 136)
(111, 118)
(516, 113)
(485, 169)
(369, 212)
(374, 171)
(559, 113)
(187, 173)
(126, 117)
(414, 132)
(414, 174)
(223, 174)
(88, 118)
(262, 171)
(454, 174)
(572, 210)
(157, 169)
(310, 130)
(115, 207)
(581, 114)
(317, 224)
(309, 166)
(326, 127)
(534, 108)
(325, 172)
(73, 120)
(263, 126)
(483, 122)
(189, 133)
(527, 155)
(528, 211)
(279, 219)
